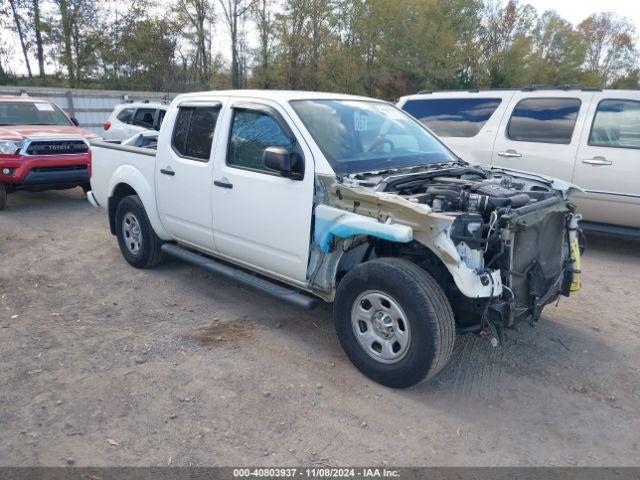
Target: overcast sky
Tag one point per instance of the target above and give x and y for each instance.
(577, 10)
(573, 10)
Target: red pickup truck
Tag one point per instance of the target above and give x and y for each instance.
(41, 147)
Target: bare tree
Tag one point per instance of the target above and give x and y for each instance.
(21, 35)
(198, 14)
(263, 17)
(235, 12)
(37, 27)
(67, 55)
(611, 50)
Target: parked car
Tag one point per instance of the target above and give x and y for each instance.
(129, 119)
(588, 137)
(350, 200)
(41, 147)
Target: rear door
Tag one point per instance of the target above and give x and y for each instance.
(184, 173)
(541, 131)
(608, 162)
(467, 124)
(262, 219)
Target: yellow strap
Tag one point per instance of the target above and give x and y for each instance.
(575, 253)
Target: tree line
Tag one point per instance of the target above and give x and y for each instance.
(382, 48)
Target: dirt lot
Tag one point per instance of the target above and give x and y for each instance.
(115, 366)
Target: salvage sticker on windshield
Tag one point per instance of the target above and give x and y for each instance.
(44, 107)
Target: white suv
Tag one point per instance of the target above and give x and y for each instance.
(129, 119)
(589, 137)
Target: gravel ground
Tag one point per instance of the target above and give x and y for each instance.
(109, 365)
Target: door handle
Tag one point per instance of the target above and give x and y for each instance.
(221, 184)
(597, 161)
(510, 154)
(167, 171)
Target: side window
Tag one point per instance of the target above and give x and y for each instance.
(453, 117)
(252, 132)
(144, 117)
(193, 132)
(544, 120)
(126, 115)
(616, 124)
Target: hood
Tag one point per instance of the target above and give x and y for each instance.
(21, 132)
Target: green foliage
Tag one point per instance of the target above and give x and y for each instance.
(382, 48)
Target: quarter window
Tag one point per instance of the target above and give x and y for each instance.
(193, 132)
(616, 124)
(453, 117)
(544, 120)
(251, 133)
(144, 117)
(126, 115)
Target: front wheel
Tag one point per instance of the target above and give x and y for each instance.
(394, 322)
(139, 244)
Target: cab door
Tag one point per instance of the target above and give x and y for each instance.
(262, 219)
(541, 132)
(184, 173)
(608, 161)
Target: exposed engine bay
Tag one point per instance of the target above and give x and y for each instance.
(518, 224)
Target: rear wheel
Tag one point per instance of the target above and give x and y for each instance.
(138, 243)
(394, 322)
(3, 195)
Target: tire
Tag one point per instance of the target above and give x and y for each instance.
(139, 244)
(425, 323)
(3, 195)
(86, 187)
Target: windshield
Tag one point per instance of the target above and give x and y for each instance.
(362, 136)
(31, 113)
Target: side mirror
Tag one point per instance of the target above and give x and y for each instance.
(281, 160)
(75, 121)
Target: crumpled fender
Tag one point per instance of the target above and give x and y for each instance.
(393, 216)
(131, 176)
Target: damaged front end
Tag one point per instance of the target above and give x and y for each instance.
(501, 244)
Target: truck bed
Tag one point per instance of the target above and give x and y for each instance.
(111, 162)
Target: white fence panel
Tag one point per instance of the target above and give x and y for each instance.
(90, 107)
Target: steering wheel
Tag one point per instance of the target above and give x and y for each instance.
(381, 143)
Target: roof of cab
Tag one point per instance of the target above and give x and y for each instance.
(275, 95)
(509, 91)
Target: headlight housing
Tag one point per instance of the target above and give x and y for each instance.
(9, 147)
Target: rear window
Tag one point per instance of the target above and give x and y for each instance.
(31, 113)
(544, 120)
(126, 115)
(453, 117)
(193, 132)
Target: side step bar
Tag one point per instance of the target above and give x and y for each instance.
(267, 286)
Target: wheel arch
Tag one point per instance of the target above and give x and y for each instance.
(466, 309)
(125, 181)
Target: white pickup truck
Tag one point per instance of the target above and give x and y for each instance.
(350, 200)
